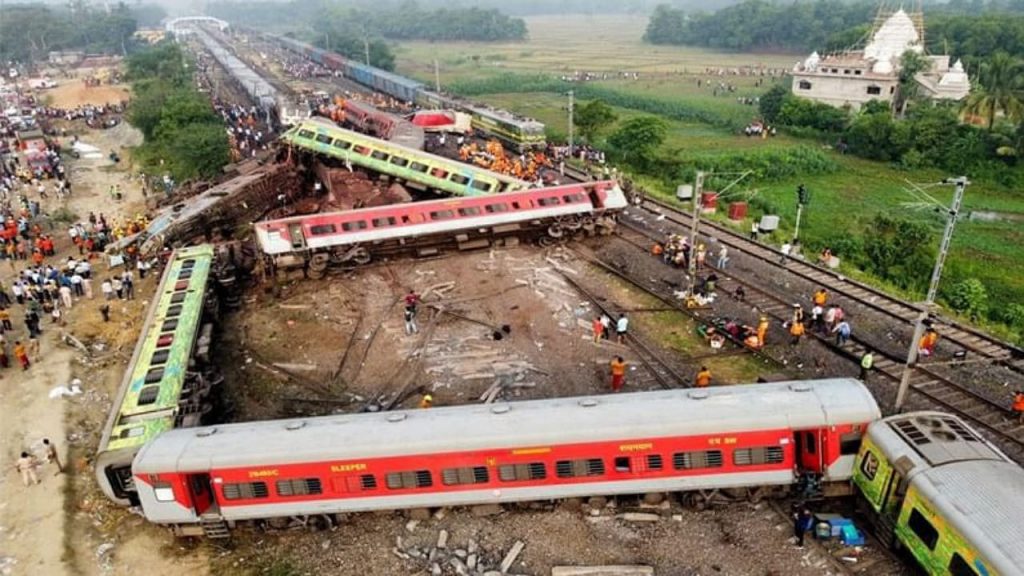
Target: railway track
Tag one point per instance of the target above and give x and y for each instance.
(926, 381)
(966, 337)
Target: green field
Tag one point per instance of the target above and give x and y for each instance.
(842, 201)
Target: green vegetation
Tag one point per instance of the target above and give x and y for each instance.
(636, 141)
(759, 25)
(704, 132)
(592, 118)
(183, 135)
(31, 31)
(958, 28)
(407, 21)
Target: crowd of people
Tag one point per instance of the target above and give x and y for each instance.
(245, 127)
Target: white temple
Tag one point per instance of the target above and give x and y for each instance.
(854, 77)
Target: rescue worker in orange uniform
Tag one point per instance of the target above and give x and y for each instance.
(618, 367)
(796, 330)
(927, 345)
(1018, 405)
(427, 401)
(703, 378)
(820, 297)
(762, 330)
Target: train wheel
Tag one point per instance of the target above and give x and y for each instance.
(694, 501)
(360, 256)
(320, 523)
(555, 230)
(547, 241)
(589, 226)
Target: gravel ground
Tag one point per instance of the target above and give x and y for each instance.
(739, 539)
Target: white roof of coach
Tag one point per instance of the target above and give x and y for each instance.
(976, 488)
(729, 409)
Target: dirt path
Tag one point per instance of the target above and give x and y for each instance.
(41, 529)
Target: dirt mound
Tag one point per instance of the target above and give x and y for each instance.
(74, 93)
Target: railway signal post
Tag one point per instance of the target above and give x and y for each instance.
(802, 199)
(933, 287)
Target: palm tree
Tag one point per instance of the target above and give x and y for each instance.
(1000, 88)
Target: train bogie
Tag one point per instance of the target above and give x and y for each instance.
(647, 442)
(414, 167)
(160, 389)
(935, 487)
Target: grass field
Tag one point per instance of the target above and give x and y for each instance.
(842, 201)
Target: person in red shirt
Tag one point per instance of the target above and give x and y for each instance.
(412, 299)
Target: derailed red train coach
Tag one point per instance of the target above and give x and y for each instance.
(755, 436)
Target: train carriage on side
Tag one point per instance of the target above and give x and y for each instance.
(757, 438)
(354, 237)
(416, 168)
(164, 385)
(934, 487)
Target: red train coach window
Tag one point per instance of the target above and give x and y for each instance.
(417, 479)
(245, 490)
(469, 211)
(302, 487)
(384, 222)
(849, 443)
(759, 455)
(574, 198)
(577, 468)
(550, 201)
(442, 215)
(368, 482)
(654, 462)
(520, 472)
(697, 459)
(496, 208)
(320, 229)
(350, 226)
(468, 475)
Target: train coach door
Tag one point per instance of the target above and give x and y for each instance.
(808, 447)
(295, 233)
(201, 492)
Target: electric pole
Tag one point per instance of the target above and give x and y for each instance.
(933, 287)
(698, 185)
(698, 203)
(571, 120)
(366, 46)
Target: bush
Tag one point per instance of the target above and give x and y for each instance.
(1013, 315)
(968, 297)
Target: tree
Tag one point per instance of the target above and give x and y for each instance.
(898, 250)
(969, 297)
(771, 101)
(1000, 89)
(593, 117)
(911, 64)
(637, 138)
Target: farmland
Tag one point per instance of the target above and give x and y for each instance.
(843, 200)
